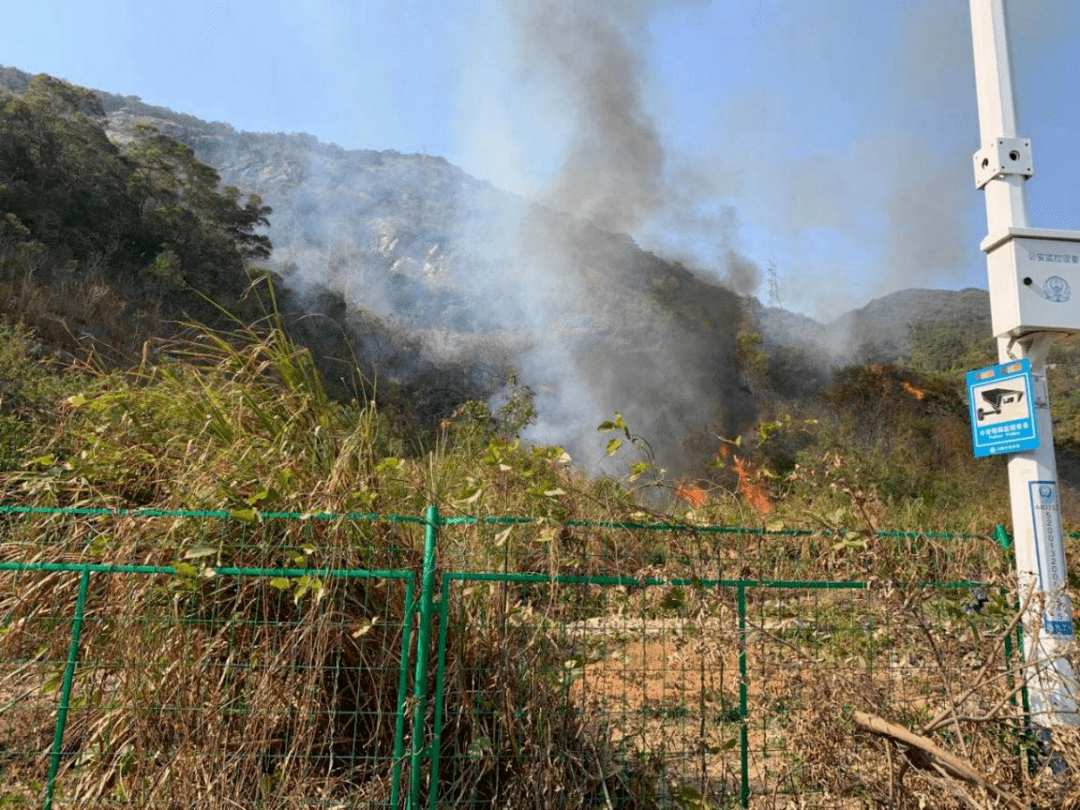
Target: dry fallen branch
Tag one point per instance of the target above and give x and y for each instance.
(940, 759)
(948, 714)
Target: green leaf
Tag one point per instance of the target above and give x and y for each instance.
(674, 599)
(261, 495)
(479, 747)
(613, 445)
(614, 424)
(389, 464)
(551, 453)
(728, 745)
(689, 797)
(308, 584)
(198, 552)
(245, 515)
(281, 583)
(572, 670)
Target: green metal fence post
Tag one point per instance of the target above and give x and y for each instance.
(423, 648)
(744, 711)
(403, 692)
(1002, 538)
(65, 693)
(440, 681)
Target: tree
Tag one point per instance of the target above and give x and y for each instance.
(60, 175)
(148, 216)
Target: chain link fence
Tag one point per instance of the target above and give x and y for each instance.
(224, 659)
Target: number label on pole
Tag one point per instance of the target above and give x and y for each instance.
(1050, 555)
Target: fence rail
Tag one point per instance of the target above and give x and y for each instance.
(420, 683)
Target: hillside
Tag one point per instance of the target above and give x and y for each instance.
(479, 280)
(413, 282)
(465, 271)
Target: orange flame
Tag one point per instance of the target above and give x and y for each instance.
(750, 487)
(693, 495)
(754, 493)
(911, 389)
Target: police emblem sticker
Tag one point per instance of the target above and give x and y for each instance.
(1057, 289)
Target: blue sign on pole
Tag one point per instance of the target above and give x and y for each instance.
(1002, 410)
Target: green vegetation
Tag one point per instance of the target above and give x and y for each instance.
(240, 421)
(101, 243)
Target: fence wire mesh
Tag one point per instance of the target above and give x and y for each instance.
(222, 660)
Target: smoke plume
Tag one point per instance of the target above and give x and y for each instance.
(590, 56)
(596, 325)
(585, 66)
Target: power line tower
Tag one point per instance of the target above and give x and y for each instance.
(773, 278)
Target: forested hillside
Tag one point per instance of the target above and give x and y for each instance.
(236, 369)
(113, 232)
(139, 235)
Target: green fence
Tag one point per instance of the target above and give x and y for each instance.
(228, 659)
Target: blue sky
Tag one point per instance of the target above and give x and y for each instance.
(832, 138)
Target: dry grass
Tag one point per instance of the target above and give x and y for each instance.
(81, 319)
(199, 689)
(202, 691)
(221, 691)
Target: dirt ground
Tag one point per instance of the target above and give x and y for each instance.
(670, 692)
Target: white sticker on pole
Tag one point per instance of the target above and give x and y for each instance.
(1050, 554)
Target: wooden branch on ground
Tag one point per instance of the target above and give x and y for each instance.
(940, 759)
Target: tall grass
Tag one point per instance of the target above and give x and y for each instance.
(214, 691)
(223, 691)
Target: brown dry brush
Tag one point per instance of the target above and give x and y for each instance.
(946, 732)
(207, 691)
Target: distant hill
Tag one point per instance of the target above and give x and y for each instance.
(883, 331)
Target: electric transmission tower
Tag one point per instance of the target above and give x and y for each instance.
(774, 285)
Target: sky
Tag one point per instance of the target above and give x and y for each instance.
(828, 139)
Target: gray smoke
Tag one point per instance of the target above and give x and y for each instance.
(586, 65)
(595, 325)
(589, 54)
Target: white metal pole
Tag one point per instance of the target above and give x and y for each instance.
(1033, 485)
